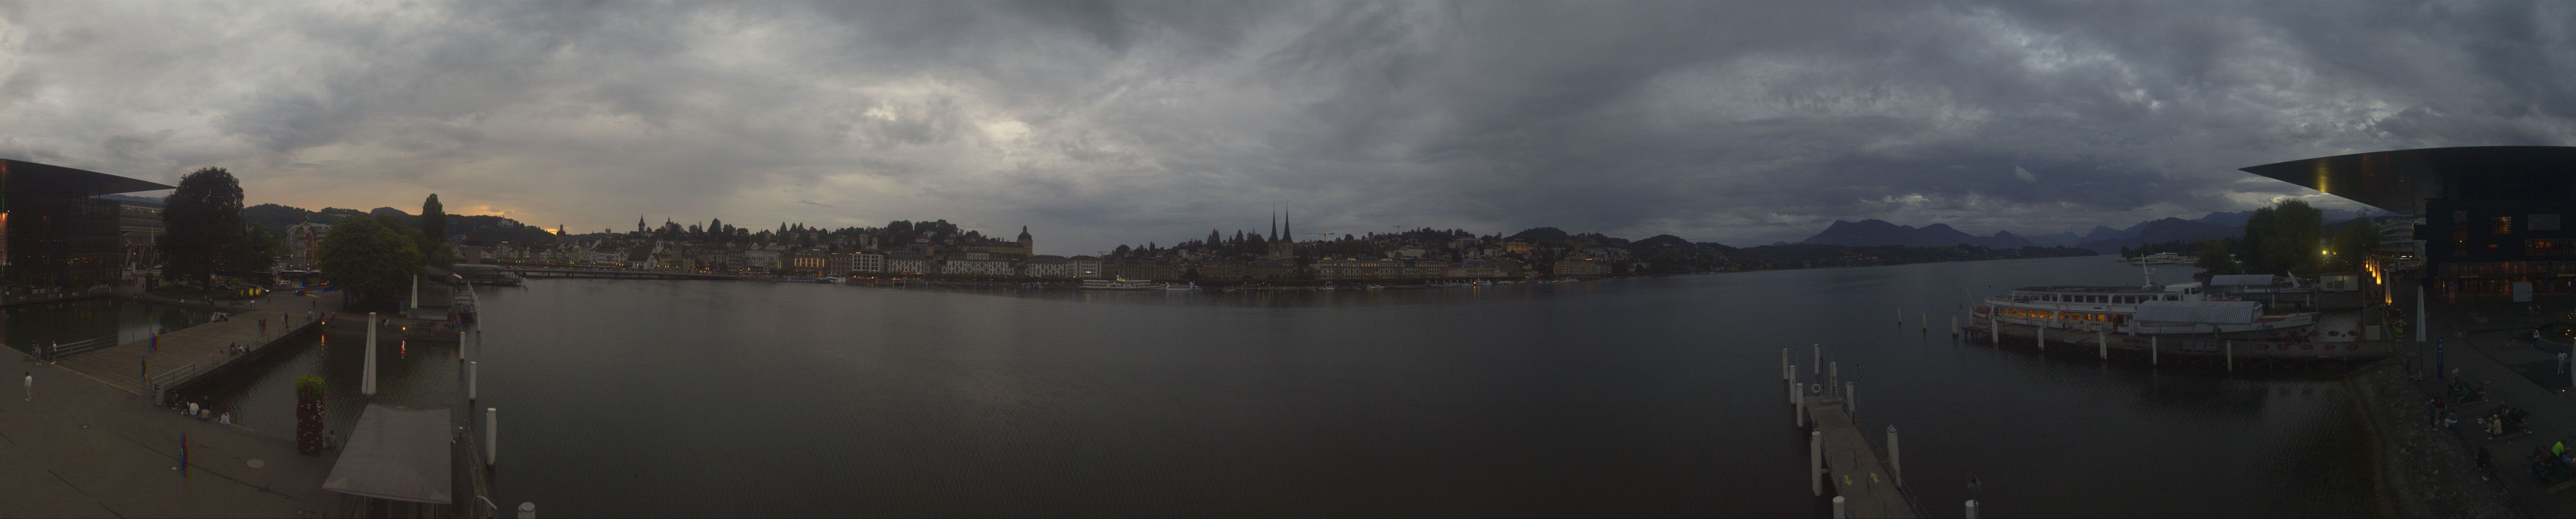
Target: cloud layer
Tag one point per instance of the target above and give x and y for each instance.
(1105, 123)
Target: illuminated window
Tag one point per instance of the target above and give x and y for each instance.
(2554, 247)
(2503, 225)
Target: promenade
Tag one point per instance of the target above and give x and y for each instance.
(82, 448)
(122, 366)
(2494, 354)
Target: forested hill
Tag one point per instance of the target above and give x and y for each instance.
(468, 229)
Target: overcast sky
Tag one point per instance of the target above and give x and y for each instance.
(1097, 124)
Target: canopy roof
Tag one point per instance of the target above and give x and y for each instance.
(399, 454)
(2241, 280)
(2199, 312)
(18, 176)
(2394, 180)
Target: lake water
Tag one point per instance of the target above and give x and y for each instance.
(69, 322)
(1632, 397)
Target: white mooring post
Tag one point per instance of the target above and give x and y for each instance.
(2043, 336)
(1848, 407)
(367, 385)
(1800, 406)
(491, 437)
(1994, 328)
(1834, 374)
(527, 510)
(472, 381)
(1895, 460)
(1793, 387)
(1972, 509)
(1839, 511)
(2231, 356)
(1816, 462)
(2151, 350)
(2104, 338)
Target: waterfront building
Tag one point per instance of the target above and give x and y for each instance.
(303, 239)
(1581, 267)
(139, 223)
(867, 262)
(54, 232)
(907, 262)
(983, 267)
(2492, 216)
(1478, 269)
(836, 264)
(762, 259)
(1082, 267)
(1045, 266)
(803, 262)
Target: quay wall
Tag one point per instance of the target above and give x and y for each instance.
(2422, 471)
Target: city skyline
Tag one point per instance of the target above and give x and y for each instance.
(1739, 123)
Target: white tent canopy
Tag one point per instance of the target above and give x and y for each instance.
(399, 454)
(2199, 312)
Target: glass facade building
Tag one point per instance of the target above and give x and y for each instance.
(53, 234)
(2492, 215)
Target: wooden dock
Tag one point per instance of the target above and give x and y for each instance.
(1853, 470)
(188, 354)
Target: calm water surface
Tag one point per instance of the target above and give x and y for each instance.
(69, 322)
(1639, 397)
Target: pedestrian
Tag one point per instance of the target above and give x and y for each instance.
(31, 386)
(263, 325)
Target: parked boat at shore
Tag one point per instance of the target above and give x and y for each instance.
(2148, 309)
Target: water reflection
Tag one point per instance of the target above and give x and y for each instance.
(1653, 396)
(116, 320)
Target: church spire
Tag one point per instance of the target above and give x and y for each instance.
(1287, 224)
(1274, 222)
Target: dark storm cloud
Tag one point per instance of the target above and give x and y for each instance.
(1104, 123)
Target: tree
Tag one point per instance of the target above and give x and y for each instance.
(369, 258)
(203, 221)
(2351, 244)
(2284, 237)
(433, 220)
(2215, 258)
(258, 250)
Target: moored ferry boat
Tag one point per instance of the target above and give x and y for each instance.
(2176, 309)
(1118, 284)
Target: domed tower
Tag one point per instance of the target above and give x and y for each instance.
(1028, 246)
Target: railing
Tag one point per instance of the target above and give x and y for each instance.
(79, 346)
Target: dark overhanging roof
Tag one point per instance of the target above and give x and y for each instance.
(2394, 180)
(18, 176)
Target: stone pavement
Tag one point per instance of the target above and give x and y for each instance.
(2495, 353)
(83, 449)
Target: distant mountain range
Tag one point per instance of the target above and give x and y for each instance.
(2100, 239)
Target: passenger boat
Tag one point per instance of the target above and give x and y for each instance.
(1182, 287)
(2162, 258)
(2149, 309)
(1118, 284)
